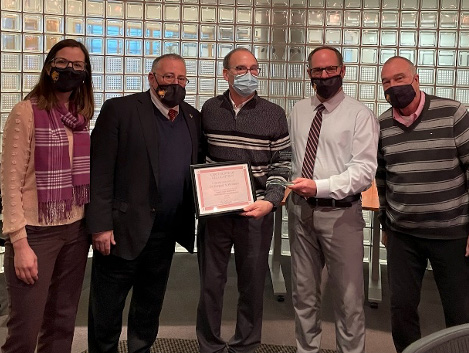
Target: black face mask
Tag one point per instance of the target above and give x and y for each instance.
(66, 80)
(400, 96)
(171, 95)
(327, 87)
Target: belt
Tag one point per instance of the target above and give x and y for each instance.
(345, 202)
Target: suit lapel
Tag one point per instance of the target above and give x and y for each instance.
(147, 119)
(189, 118)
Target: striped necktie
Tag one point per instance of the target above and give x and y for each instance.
(312, 144)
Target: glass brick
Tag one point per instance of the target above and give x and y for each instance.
(94, 27)
(153, 30)
(462, 95)
(279, 3)
(351, 73)
(445, 77)
(464, 21)
(114, 46)
(386, 54)
(243, 33)
(333, 36)
(115, 9)
(225, 33)
(190, 31)
(369, 37)
(171, 31)
(449, 19)
(33, 43)
(11, 21)
(429, 19)
(298, 17)
(409, 19)
(207, 85)
(315, 36)
(153, 12)
(446, 57)
(463, 58)
(389, 38)
(261, 52)
(133, 83)
(350, 4)
(367, 92)
(190, 13)
(74, 7)
(261, 16)
(224, 49)
(10, 62)
(408, 38)
(115, 28)
(371, 19)
(298, 3)
(114, 83)
(201, 100)
(278, 70)
(409, 4)
(75, 25)
(95, 8)
(208, 14)
(222, 86)
(390, 19)
(11, 82)
(426, 76)
(134, 10)
(32, 62)
(462, 77)
(445, 92)
(465, 4)
(351, 37)
(390, 4)
(463, 39)
(134, 47)
(429, 4)
(278, 53)
(427, 39)
(191, 67)
(447, 39)
(11, 42)
(315, 17)
(295, 71)
(371, 4)
(261, 34)
(133, 28)
(260, 2)
(32, 23)
(207, 50)
(334, 18)
(350, 55)
(29, 81)
(449, 4)
(316, 3)
(97, 63)
(426, 57)
(352, 18)
(54, 7)
(190, 50)
(114, 65)
(382, 108)
(409, 54)
(8, 101)
(33, 6)
(297, 36)
(53, 24)
(50, 41)
(112, 95)
(98, 82)
(244, 16)
(368, 74)
(334, 4)
(171, 47)
(351, 89)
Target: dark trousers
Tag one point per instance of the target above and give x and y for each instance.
(111, 280)
(407, 260)
(251, 240)
(44, 313)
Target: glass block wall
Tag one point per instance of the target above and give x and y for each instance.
(123, 38)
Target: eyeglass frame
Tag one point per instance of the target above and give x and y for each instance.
(332, 68)
(243, 70)
(53, 61)
(169, 78)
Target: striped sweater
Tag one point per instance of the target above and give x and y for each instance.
(422, 174)
(258, 134)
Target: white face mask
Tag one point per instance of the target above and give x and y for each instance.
(246, 84)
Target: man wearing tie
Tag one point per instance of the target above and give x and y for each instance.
(141, 204)
(334, 143)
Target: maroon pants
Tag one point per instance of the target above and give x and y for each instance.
(44, 313)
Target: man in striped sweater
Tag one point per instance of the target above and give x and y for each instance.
(422, 179)
(241, 126)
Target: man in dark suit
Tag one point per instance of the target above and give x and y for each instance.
(141, 204)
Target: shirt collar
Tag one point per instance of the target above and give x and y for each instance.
(238, 107)
(331, 103)
(408, 120)
(160, 106)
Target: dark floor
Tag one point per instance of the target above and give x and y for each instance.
(179, 311)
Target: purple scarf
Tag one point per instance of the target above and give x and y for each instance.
(59, 185)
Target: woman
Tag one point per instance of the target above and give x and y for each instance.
(45, 185)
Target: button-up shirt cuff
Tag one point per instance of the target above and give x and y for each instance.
(323, 189)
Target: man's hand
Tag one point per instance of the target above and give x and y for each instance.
(102, 241)
(384, 239)
(258, 209)
(467, 247)
(25, 261)
(304, 187)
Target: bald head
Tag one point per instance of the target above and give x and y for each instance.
(399, 71)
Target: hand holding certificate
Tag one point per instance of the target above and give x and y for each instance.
(222, 188)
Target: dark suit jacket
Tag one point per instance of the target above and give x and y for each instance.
(124, 174)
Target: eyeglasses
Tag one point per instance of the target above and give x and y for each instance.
(169, 78)
(242, 70)
(62, 63)
(317, 71)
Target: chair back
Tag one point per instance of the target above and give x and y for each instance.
(453, 339)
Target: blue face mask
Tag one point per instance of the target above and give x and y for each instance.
(246, 84)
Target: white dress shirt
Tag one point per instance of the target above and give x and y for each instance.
(348, 142)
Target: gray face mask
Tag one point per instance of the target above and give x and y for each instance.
(246, 84)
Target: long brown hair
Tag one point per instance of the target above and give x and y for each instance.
(81, 99)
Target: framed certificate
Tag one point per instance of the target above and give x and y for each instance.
(221, 188)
